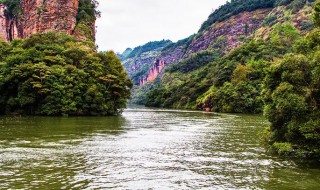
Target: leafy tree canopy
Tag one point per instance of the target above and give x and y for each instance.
(56, 74)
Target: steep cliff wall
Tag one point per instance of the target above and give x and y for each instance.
(51, 15)
(40, 16)
(153, 72)
(137, 61)
(221, 37)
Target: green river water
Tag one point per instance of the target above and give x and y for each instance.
(145, 149)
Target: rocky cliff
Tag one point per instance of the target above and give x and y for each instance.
(137, 61)
(224, 36)
(51, 15)
(221, 36)
(40, 16)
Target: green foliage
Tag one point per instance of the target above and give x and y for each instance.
(196, 61)
(148, 47)
(316, 14)
(87, 14)
(282, 148)
(13, 7)
(291, 95)
(87, 10)
(56, 74)
(279, 76)
(232, 83)
(125, 54)
(270, 20)
(233, 8)
(296, 5)
(307, 25)
(183, 43)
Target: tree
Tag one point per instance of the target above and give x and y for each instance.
(316, 14)
(56, 74)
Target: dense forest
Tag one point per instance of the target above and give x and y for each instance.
(148, 47)
(56, 74)
(277, 75)
(235, 7)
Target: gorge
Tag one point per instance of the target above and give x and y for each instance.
(65, 121)
(248, 57)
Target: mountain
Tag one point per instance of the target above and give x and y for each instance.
(137, 61)
(122, 56)
(184, 79)
(250, 56)
(22, 18)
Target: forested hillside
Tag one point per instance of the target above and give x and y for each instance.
(56, 74)
(272, 70)
(137, 61)
(237, 58)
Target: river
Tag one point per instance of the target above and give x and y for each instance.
(144, 149)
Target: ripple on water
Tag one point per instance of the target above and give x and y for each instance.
(157, 149)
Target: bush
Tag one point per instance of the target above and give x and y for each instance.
(55, 74)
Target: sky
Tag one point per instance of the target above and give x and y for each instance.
(130, 23)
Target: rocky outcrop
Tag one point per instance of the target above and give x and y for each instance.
(137, 61)
(153, 72)
(241, 25)
(221, 36)
(40, 16)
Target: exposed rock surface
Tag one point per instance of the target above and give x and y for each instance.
(40, 16)
(153, 72)
(137, 61)
(50, 15)
(223, 36)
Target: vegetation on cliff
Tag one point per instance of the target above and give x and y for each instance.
(87, 14)
(235, 7)
(276, 73)
(291, 95)
(137, 61)
(57, 74)
(232, 83)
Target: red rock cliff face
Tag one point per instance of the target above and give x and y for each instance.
(153, 72)
(49, 15)
(224, 36)
(39, 16)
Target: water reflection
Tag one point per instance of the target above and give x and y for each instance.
(42, 152)
(144, 149)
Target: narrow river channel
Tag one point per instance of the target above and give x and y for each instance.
(144, 149)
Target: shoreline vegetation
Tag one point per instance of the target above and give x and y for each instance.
(277, 75)
(55, 74)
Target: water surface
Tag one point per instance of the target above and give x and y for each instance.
(144, 149)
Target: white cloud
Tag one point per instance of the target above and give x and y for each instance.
(129, 23)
